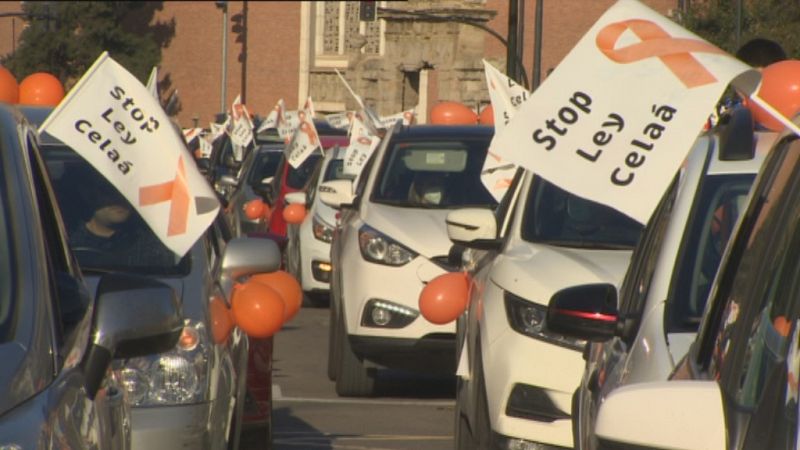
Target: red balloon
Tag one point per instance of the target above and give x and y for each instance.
(444, 298)
(453, 113)
(487, 116)
(258, 309)
(780, 87)
(287, 286)
(40, 88)
(9, 89)
(221, 320)
(255, 209)
(294, 213)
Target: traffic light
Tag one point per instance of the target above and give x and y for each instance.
(239, 27)
(367, 11)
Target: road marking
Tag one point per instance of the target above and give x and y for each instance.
(308, 440)
(277, 396)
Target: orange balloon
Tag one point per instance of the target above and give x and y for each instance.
(444, 298)
(294, 213)
(780, 87)
(453, 113)
(287, 286)
(221, 320)
(257, 309)
(487, 116)
(9, 89)
(40, 88)
(255, 209)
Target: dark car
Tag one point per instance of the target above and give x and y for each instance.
(193, 394)
(258, 169)
(57, 342)
(737, 388)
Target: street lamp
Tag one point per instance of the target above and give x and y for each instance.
(224, 6)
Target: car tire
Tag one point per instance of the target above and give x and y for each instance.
(333, 357)
(463, 435)
(352, 378)
(482, 435)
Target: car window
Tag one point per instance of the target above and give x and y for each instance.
(636, 284)
(557, 217)
(298, 177)
(433, 174)
(335, 171)
(86, 198)
(717, 206)
(265, 165)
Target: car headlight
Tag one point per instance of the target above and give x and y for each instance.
(322, 231)
(177, 377)
(528, 318)
(381, 249)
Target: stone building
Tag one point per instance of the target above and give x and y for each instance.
(415, 52)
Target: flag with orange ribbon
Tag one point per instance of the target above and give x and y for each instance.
(619, 114)
(304, 140)
(115, 123)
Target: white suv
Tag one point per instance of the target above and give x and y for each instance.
(391, 241)
(516, 379)
(661, 301)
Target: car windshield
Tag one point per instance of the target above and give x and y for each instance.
(264, 166)
(335, 171)
(298, 177)
(554, 216)
(434, 174)
(105, 232)
(720, 201)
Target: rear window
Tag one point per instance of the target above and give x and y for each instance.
(434, 174)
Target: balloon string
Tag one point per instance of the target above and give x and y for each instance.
(775, 113)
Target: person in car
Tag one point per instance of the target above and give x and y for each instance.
(428, 188)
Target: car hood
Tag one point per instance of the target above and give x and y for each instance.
(535, 271)
(421, 230)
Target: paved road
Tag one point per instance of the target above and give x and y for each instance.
(408, 412)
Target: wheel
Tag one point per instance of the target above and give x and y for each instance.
(463, 436)
(332, 356)
(482, 435)
(352, 378)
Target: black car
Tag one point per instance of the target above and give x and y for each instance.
(56, 342)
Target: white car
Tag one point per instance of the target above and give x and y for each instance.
(642, 337)
(391, 241)
(516, 379)
(737, 387)
(308, 250)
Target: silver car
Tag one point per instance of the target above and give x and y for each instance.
(57, 342)
(191, 396)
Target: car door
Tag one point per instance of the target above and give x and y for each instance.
(748, 339)
(75, 421)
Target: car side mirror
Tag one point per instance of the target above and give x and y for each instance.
(244, 256)
(473, 228)
(587, 312)
(296, 198)
(134, 316)
(336, 193)
(678, 414)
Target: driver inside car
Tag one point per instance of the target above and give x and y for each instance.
(428, 188)
(103, 233)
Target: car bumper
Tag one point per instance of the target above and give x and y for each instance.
(529, 386)
(171, 427)
(431, 354)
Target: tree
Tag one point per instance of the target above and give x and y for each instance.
(715, 21)
(64, 38)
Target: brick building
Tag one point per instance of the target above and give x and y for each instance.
(416, 53)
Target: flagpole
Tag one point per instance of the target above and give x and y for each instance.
(775, 113)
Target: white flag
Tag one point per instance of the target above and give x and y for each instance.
(618, 115)
(341, 120)
(205, 147)
(114, 122)
(506, 97)
(217, 130)
(288, 125)
(190, 134)
(304, 141)
(362, 143)
(152, 83)
(242, 128)
(273, 118)
(406, 116)
(308, 107)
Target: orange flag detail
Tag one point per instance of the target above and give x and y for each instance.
(177, 193)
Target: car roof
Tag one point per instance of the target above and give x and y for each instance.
(436, 131)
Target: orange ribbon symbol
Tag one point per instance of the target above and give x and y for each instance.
(177, 193)
(312, 136)
(675, 53)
